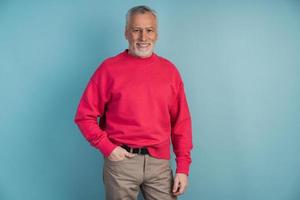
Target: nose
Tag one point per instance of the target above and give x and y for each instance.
(143, 35)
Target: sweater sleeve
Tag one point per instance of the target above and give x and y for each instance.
(91, 106)
(181, 133)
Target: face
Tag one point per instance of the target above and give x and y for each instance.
(141, 33)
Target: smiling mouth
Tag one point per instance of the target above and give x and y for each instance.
(143, 45)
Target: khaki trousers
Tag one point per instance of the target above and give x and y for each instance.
(123, 179)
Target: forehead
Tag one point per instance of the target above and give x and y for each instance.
(142, 20)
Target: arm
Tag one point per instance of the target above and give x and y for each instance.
(181, 136)
(91, 106)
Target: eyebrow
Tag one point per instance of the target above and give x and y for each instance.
(142, 27)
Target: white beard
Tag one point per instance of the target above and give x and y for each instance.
(143, 53)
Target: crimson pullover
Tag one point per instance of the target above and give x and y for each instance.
(141, 103)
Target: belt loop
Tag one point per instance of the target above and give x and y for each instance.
(130, 150)
(140, 149)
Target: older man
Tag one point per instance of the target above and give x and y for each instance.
(140, 99)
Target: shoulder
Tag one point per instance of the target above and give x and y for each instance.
(111, 61)
(171, 67)
(108, 64)
(102, 72)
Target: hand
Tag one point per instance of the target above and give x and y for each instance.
(180, 183)
(119, 154)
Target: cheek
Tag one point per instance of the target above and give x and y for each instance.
(134, 37)
(131, 40)
(153, 37)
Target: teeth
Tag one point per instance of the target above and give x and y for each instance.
(143, 45)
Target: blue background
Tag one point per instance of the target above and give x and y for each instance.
(241, 67)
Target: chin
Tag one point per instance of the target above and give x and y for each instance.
(143, 53)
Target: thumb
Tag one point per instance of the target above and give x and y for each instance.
(176, 184)
(130, 155)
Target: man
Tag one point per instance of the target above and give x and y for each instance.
(140, 99)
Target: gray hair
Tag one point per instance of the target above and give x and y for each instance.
(139, 10)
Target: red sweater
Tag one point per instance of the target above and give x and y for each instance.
(141, 103)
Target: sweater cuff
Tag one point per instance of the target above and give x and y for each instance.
(183, 167)
(106, 147)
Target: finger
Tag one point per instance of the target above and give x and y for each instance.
(119, 157)
(176, 185)
(181, 189)
(177, 192)
(130, 155)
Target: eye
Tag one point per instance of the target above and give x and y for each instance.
(135, 30)
(149, 30)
